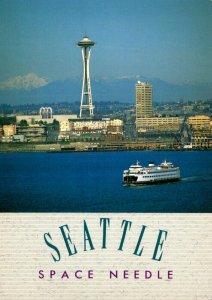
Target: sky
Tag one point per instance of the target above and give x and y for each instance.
(166, 39)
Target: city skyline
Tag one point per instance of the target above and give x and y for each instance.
(160, 39)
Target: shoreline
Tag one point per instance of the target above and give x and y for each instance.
(59, 148)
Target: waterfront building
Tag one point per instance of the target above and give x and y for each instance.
(115, 125)
(20, 138)
(199, 122)
(201, 126)
(143, 100)
(9, 130)
(33, 133)
(65, 126)
(91, 130)
(32, 119)
(86, 98)
(159, 124)
(203, 140)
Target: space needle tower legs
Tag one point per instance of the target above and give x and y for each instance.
(86, 99)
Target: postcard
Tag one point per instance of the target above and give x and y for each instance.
(105, 150)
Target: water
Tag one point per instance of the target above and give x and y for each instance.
(92, 182)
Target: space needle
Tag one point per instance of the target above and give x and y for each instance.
(86, 97)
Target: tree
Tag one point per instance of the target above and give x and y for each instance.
(23, 123)
(56, 125)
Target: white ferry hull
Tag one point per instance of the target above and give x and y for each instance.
(135, 180)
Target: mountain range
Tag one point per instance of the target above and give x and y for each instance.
(33, 89)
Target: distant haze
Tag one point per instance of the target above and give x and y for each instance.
(33, 89)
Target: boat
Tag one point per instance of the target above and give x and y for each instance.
(152, 174)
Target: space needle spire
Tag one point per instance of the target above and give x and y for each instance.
(86, 98)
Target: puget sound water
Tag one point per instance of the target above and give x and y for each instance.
(92, 182)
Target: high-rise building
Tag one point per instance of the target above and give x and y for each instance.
(145, 122)
(143, 100)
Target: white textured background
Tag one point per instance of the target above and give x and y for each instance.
(187, 251)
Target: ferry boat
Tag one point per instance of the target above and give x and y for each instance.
(152, 174)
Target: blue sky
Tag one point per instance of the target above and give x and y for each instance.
(166, 39)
